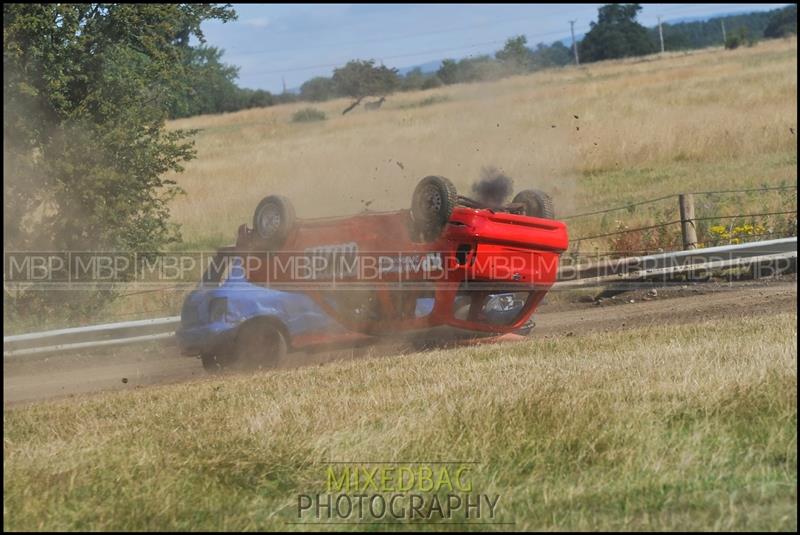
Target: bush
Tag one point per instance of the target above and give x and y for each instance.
(432, 83)
(739, 38)
(732, 42)
(307, 115)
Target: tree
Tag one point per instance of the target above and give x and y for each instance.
(699, 34)
(515, 54)
(431, 82)
(210, 85)
(284, 98)
(738, 37)
(318, 89)
(782, 23)
(86, 91)
(260, 99)
(413, 80)
(555, 55)
(359, 79)
(616, 34)
(447, 71)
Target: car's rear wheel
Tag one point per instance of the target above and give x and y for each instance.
(259, 345)
(273, 219)
(536, 203)
(432, 204)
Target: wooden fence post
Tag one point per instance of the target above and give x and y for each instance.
(688, 230)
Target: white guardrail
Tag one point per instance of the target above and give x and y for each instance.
(593, 274)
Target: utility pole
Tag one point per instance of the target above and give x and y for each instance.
(284, 84)
(660, 34)
(724, 39)
(574, 45)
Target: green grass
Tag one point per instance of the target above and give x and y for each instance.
(691, 427)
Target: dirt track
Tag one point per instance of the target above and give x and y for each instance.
(30, 379)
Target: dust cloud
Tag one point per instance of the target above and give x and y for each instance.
(494, 187)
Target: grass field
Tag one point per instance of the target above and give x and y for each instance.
(705, 120)
(597, 136)
(667, 428)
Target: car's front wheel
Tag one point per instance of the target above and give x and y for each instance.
(432, 204)
(259, 345)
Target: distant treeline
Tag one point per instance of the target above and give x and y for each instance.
(616, 34)
(755, 26)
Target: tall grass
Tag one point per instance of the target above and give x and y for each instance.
(662, 428)
(593, 136)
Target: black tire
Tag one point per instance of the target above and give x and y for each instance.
(259, 345)
(273, 219)
(432, 204)
(536, 203)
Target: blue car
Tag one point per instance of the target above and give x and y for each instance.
(234, 324)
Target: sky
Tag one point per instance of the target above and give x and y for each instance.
(295, 42)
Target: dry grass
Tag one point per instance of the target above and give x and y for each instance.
(710, 119)
(705, 120)
(690, 427)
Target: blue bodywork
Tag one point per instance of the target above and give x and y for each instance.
(212, 314)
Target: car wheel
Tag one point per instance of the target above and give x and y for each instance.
(259, 345)
(273, 219)
(432, 204)
(536, 203)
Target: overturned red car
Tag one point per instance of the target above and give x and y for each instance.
(449, 260)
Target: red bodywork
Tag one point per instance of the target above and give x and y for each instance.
(479, 253)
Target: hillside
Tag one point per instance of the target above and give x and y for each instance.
(595, 136)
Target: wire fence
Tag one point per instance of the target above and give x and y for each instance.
(621, 231)
(675, 195)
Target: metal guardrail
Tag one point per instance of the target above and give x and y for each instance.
(603, 273)
(678, 258)
(110, 334)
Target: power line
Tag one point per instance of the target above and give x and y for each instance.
(384, 39)
(448, 30)
(678, 10)
(692, 8)
(340, 64)
(398, 56)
